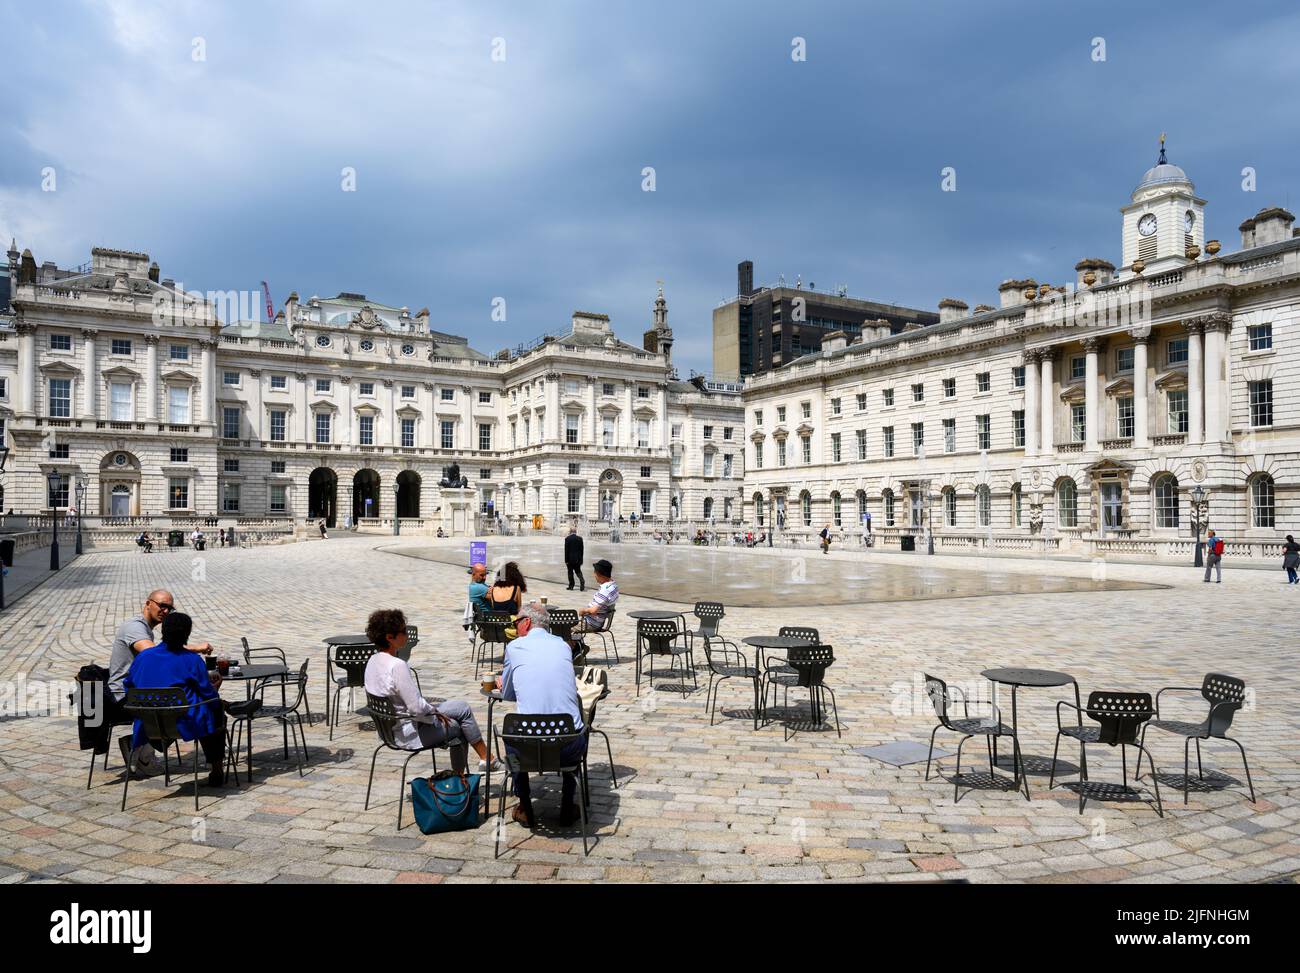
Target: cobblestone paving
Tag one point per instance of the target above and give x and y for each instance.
(694, 802)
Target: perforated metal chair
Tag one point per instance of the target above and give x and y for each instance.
(385, 718)
(810, 664)
(352, 660)
(606, 635)
(270, 654)
(288, 716)
(990, 727)
(725, 659)
(1225, 694)
(563, 621)
(662, 637)
(1118, 716)
(776, 670)
(490, 628)
(159, 711)
(535, 745)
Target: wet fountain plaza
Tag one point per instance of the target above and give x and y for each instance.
(695, 801)
(768, 578)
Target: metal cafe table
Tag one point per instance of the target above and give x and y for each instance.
(249, 674)
(782, 643)
(1034, 679)
(331, 643)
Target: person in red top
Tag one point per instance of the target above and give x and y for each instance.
(1213, 557)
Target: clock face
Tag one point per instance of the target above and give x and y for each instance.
(1189, 221)
(1147, 225)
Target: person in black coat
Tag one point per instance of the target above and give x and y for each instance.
(573, 558)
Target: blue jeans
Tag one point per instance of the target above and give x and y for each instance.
(571, 754)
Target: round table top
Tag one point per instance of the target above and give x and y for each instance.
(347, 640)
(775, 641)
(1028, 677)
(655, 615)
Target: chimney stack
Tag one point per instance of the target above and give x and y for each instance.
(834, 341)
(1092, 271)
(1272, 225)
(951, 309)
(1011, 292)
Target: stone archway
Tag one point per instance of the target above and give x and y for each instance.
(365, 494)
(408, 494)
(119, 485)
(322, 495)
(611, 489)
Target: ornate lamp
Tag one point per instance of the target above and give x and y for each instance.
(54, 481)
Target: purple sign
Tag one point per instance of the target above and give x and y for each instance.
(477, 552)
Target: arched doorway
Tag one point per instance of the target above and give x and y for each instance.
(365, 495)
(408, 494)
(322, 495)
(611, 488)
(119, 485)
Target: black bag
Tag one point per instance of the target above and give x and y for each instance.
(94, 704)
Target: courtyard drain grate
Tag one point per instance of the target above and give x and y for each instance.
(900, 753)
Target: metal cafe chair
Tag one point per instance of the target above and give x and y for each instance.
(726, 661)
(352, 660)
(991, 727)
(810, 664)
(159, 711)
(385, 718)
(91, 698)
(288, 716)
(491, 630)
(535, 745)
(563, 621)
(606, 635)
(661, 637)
(1225, 694)
(1118, 716)
(270, 654)
(776, 670)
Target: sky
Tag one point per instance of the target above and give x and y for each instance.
(497, 151)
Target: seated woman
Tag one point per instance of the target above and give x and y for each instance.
(420, 722)
(507, 592)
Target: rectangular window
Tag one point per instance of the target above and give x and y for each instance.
(60, 342)
(575, 500)
(918, 438)
(677, 430)
(758, 417)
(708, 432)
(606, 388)
(835, 447)
(805, 449)
(230, 498)
(607, 431)
(1124, 417)
(1124, 360)
(862, 443)
(575, 469)
(408, 433)
(178, 405)
(949, 388)
(179, 352)
(643, 432)
(527, 431)
(61, 398)
(279, 382)
(277, 466)
(178, 493)
(758, 456)
(571, 386)
(1018, 428)
(277, 426)
(230, 466)
(366, 388)
(485, 435)
(780, 414)
(1176, 351)
(322, 427)
(513, 437)
(726, 467)
(366, 430)
(835, 407)
(1078, 367)
(59, 451)
(1078, 420)
(647, 501)
(230, 423)
(180, 454)
(862, 401)
(120, 346)
(448, 428)
(780, 452)
(277, 504)
(950, 435)
(918, 392)
(1260, 336)
(1261, 404)
(1018, 376)
(708, 464)
(484, 398)
(984, 431)
(642, 392)
(485, 474)
(887, 437)
(982, 383)
(447, 395)
(570, 428)
(120, 401)
(888, 396)
(230, 378)
(322, 385)
(1177, 402)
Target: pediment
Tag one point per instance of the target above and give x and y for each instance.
(59, 368)
(1120, 387)
(1174, 379)
(323, 405)
(409, 412)
(121, 371)
(1074, 393)
(178, 375)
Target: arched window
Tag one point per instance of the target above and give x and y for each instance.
(726, 508)
(708, 507)
(805, 508)
(1165, 499)
(984, 504)
(887, 503)
(836, 513)
(1067, 504)
(1015, 504)
(862, 505)
(760, 509)
(949, 507)
(1261, 501)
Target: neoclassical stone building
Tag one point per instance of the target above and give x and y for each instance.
(342, 409)
(1078, 418)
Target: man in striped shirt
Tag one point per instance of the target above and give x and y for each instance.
(595, 616)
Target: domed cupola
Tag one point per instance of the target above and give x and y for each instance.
(1164, 220)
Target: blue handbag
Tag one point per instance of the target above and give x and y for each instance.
(447, 804)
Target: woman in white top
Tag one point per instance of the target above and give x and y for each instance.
(420, 722)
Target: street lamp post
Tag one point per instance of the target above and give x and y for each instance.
(397, 514)
(1200, 502)
(4, 456)
(81, 506)
(929, 518)
(54, 480)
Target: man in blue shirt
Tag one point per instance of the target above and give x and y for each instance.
(538, 675)
(478, 587)
(170, 665)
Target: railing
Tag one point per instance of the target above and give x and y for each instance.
(1173, 439)
(1069, 447)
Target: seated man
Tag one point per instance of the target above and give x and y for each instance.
(169, 664)
(539, 676)
(478, 588)
(595, 616)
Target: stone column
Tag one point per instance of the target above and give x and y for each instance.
(1216, 328)
(344, 431)
(394, 436)
(1047, 443)
(469, 438)
(208, 381)
(1195, 389)
(664, 437)
(430, 418)
(26, 404)
(90, 380)
(1092, 397)
(1032, 403)
(553, 407)
(304, 416)
(1141, 424)
(151, 378)
(593, 419)
(626, 436)
(256, 420)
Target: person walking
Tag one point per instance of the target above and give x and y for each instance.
(826, 539)
(1213, 557)
(1291, 560)
(323, 535)
(573, 557)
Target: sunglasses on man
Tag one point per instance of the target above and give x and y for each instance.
(165, 606)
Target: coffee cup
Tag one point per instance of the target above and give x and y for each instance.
(490, 682)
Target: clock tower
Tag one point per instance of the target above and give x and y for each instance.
(1164, 218)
